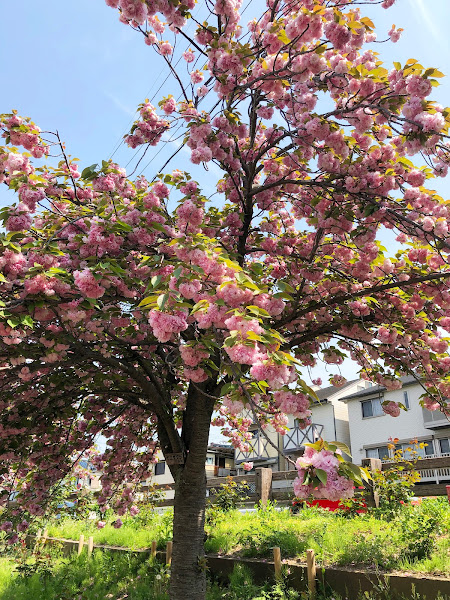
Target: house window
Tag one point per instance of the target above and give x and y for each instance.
(382, 452)
(406, 399)
(429, 449)
(210, 460)
(413, 451)
(372, 408)
(160, 467)
(444, 445)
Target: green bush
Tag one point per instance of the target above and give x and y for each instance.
(418, 533)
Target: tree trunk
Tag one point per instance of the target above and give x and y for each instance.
(188, 573)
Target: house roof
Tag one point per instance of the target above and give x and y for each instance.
(221, 449)
(377, 389)
(324, 393)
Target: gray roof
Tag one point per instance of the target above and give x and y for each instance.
(324, 393)
(378, 389)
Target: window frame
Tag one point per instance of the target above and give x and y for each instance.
(161, 464)
(442, 452)
(385, 457)
(374, 414)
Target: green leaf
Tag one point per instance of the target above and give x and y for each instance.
(155, 281)
(256, 310)
(88, 172)
(281, 35)
(251, 335)
(149, 301)
(343, 447)
(177, 272)
(123, 225)
(201, 305)
(27, 320)
(225, 389)
(321, 476)
(353, 471)
(158, 227)
(161, 302)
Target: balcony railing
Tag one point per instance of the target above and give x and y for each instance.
(260, 450)
(429, 474)
(296, 438)
(439, 475)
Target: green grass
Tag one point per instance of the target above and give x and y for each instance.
(77, 578)
(365, 540)
(133, 534)
(126, 577)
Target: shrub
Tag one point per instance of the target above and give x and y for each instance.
(394, 484)
(418, 533)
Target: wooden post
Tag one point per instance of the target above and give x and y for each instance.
(169, 553)
(38, 539)
(311, 570)
(263, 479)
(80, 544)
(447, 487)
(277, 562)
(153, 551)
(44, 537)
(372, 498)
(90, 546)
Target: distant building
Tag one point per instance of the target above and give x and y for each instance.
(329, 421)
(219, 463)
(90, 481)
(371, 429)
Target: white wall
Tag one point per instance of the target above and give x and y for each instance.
(376, 431)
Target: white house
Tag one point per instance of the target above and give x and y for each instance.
(329, 417)
(329, 421)
(371, 429)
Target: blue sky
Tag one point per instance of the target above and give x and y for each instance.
(72, 66)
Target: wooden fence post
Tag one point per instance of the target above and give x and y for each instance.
(90, 546)
(44, 537)
(311, 571)
(263, 480)
(169, 553)
(38, 539)
(277, 562)
(447, 487)
(80, 544)
(372, 498)
(153, 550)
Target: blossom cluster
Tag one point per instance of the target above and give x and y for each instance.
(335, 487)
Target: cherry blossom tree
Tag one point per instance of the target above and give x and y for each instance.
(144, 311)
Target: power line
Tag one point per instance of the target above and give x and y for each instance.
(120, 140)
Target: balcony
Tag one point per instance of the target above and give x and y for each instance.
(434, 419)
(260, 450)
(296, 438)
(439, 475)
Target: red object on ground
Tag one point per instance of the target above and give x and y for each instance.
(331, 505)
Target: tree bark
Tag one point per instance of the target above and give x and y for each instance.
(188, 574)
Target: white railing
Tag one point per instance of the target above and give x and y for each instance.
(439, 475)
(259, 449)
(296, 438)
